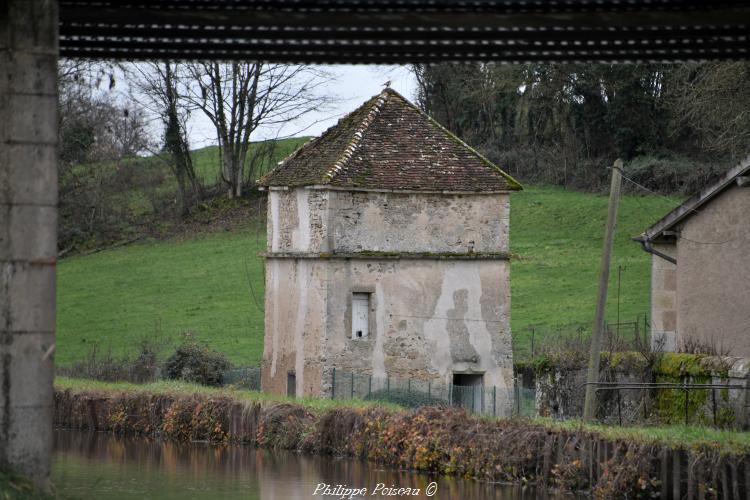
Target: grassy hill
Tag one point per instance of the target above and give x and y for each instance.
(208, 284)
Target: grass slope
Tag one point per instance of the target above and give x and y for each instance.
(160, 289)
(205, 284)
(557, 238)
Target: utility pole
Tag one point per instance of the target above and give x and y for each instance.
(589, 405)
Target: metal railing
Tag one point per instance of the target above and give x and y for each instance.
(698, 407)
(413, 393)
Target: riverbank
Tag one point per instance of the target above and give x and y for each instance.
(606, 461)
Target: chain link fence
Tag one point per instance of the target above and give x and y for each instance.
(243, 378)
(413, 393)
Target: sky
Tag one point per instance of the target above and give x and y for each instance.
(351, 86)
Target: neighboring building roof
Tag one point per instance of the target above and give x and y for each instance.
(388, 143)
(692, 205)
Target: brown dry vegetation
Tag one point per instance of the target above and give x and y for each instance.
(446, 441)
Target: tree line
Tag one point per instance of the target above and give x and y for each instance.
(676, 126)
(105, 136)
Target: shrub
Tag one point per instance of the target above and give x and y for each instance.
(407, 399)
(103, 365)
(196, 362)
(145, 368)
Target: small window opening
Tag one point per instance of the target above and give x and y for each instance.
(360, 315)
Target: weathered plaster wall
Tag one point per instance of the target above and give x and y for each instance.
(663, 300)
(713, 275)
(398, 222)
(429, 319)
(297, 220)
(294, 325)
(28, 232)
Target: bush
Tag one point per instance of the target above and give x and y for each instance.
(145, 368)
(672, 174)
(103, 365)
(196, 362)
(407, 399)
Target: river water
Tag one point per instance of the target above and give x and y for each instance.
(99, 465)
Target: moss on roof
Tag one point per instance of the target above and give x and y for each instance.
(388, 143)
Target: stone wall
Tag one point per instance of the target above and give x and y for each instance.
(297, 220)
(28, 232)
(411, 337)
(296, 301)
(308, 321)
(436, 271)
(559, 383)
(663, 300)
(400, 222)
(316, 220)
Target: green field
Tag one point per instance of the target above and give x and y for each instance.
(206, 159)
(557, 236)
(204, 285)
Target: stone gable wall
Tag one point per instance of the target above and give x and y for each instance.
(396, 222)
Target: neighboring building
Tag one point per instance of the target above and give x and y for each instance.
(387, 255)
(700, 272)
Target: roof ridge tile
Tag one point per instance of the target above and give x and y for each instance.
(349, 150)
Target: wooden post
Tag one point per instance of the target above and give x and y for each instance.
(589, 405)
(494, 400)
(713, 403)
(638, 344)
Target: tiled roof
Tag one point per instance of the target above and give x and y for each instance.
(692, 205)
(388, 143)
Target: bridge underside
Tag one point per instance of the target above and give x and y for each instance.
(406, 31)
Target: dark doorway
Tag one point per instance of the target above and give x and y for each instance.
(468, 390)
(291, 384)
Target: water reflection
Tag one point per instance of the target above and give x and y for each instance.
(98, 465)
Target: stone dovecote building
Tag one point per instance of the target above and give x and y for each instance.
(387, 255)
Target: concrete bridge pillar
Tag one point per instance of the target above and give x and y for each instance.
(28, 232)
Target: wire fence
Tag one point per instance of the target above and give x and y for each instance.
(619, 336)
(243, 378)
(472, 395)
(717, 404)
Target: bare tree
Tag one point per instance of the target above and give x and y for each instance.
(97, 133)
(159, 84)
(238, 98)
(713, 101)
